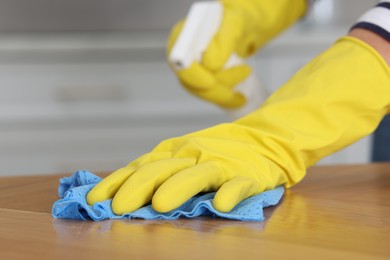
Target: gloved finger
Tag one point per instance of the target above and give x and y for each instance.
(234, 191)
(196, 77)
(205, 84)
(175, 32)
(221, 95)
(138, 190)
(107, 188)
(233, 76)
(224, 42)
(187, 183)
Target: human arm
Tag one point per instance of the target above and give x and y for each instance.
(333, 101)
(336, 99)
(380, 44)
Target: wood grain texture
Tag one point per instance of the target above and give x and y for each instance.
(337, 212)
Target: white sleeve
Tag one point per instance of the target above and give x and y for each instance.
(376, 20)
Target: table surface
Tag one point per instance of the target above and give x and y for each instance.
(340, 212)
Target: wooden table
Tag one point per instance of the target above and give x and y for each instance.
(337, 212)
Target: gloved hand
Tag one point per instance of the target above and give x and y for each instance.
(179, 168)
(246, 26)
(333, 101)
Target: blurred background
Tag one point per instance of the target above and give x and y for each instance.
(85, 84)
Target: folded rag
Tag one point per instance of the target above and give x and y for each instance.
(73, 205)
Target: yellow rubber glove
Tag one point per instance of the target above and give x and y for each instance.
(246, 26)
(333, 101)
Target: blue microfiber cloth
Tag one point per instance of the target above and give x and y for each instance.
(73, 205)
